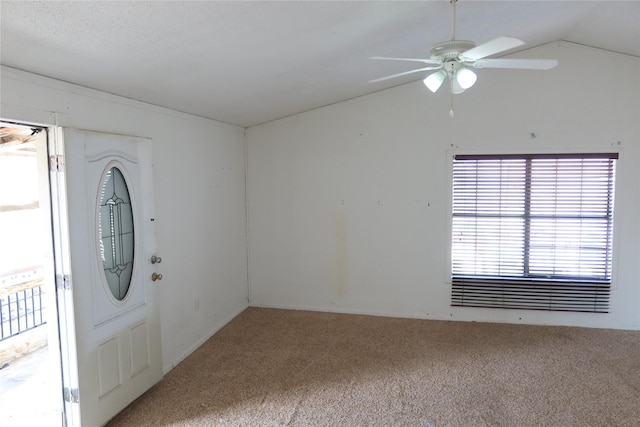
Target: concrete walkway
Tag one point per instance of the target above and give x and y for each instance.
(31, 392)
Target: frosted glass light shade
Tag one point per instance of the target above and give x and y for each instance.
(465, 78)
(456, 89)
(434, 81)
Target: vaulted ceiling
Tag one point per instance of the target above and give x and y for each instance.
(245, 62)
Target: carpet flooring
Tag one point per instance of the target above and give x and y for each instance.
(279, 368)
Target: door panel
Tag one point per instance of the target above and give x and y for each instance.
(117, 332)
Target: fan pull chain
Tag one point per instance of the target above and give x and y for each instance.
(451, 93)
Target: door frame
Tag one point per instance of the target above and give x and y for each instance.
(62, 268)
(60, 276)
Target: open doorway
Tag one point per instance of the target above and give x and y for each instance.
(30, 370)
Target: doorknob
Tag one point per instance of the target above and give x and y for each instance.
(155, 259)
(156, 276)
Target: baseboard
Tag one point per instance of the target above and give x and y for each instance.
(202, 340)
(342, 310)
(457, 315)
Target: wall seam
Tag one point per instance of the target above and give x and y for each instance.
(246, 213)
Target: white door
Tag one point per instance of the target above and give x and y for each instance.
(107, 269)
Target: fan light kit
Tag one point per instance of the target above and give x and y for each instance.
(453, 60)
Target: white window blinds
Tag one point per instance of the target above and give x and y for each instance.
(533, 231)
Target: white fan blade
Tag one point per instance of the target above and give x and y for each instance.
(523, 64)
(404, 73)
(491, 47)
(425, 60)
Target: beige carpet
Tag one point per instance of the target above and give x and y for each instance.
(295, 368)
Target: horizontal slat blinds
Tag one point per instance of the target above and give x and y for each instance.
(533, 231)
(530, 294)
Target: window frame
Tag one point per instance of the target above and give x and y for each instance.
(569, 153)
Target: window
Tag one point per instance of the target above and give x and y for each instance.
(116, 232)
(533, 231)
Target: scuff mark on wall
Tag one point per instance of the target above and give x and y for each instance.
(341, 254)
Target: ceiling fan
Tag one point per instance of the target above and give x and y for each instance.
(454, 58)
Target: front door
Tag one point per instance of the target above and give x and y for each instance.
(107, 268)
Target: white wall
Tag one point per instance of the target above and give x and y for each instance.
(349, 204)
(199, 172)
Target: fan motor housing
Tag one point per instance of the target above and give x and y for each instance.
(450, 49)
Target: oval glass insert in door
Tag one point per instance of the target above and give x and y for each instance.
(115, 227)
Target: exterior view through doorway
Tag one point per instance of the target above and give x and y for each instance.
(30, 371)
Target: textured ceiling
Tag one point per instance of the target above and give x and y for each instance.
(247, 62)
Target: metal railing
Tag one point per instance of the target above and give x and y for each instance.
(21, 310)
